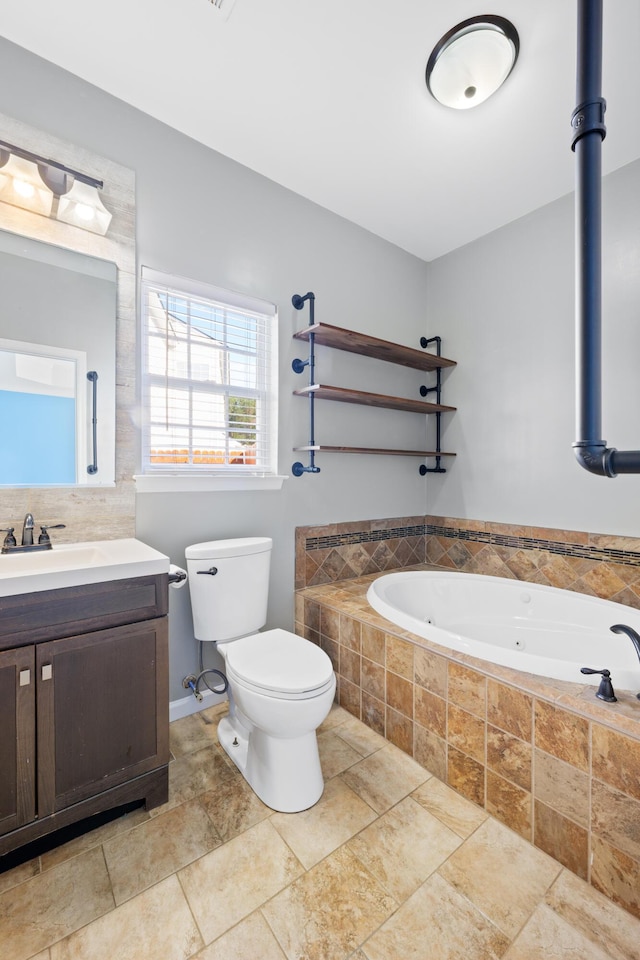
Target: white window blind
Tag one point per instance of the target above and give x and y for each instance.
(209, 380)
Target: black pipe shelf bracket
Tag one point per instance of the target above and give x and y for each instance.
(298, 366)
(588, 132)
(437, 389)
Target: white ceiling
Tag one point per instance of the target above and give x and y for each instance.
(329, 99)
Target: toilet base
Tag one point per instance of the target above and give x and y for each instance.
(284, 773)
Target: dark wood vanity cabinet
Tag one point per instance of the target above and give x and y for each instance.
(84, 704)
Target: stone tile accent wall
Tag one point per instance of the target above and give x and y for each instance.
(341, 551)
(545, 757)
(595, 564)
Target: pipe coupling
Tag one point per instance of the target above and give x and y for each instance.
(588, 117)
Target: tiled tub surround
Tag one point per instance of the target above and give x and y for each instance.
(595, 564)
(545, 757)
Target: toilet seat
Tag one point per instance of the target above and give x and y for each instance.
(280, 664)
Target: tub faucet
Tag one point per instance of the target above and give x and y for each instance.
(633, 636)
(27, 531)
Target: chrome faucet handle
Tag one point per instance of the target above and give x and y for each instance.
(9, 540)
(44, 536)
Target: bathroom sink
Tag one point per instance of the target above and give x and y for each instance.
(74, 564)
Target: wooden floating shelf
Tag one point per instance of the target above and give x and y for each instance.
(346, 395)
(323, 448)
(353, 342)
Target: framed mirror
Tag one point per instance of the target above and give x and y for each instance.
(57, 365)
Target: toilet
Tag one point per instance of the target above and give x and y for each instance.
(281, 686)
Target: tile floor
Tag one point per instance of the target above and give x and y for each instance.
(389, 865)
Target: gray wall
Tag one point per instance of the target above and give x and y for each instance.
(506, 304)
(203, 216)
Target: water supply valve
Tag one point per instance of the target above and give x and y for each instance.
(189, 683)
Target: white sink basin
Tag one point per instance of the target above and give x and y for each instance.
(73, 564)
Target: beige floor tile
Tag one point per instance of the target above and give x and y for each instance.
(154, 850)
(194, 774)
(229, 883)
(548, 935)
(233, 807)
(194, 732)
(93, 838)
(315, 919)
(252, 939)
(362, 738)
(317, 832)
(335, 717)
(54, 904)
(336, 755)
(156, 925)
(403, 847)
(459, 814)
(519, 875)
(602, 922)
(385, 777)
(436, 923)
(19, 874)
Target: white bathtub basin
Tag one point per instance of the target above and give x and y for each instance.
(74, 564)
(535, 628)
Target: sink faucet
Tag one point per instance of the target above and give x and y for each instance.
(633, 636)
(27, 531)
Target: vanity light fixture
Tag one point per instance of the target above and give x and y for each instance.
(51, 189)
(472, 60)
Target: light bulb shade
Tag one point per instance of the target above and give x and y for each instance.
(22, 186)
(472, 61)
(82, 207)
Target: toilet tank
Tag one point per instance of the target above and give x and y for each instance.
(229, 586)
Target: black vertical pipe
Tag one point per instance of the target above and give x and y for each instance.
(589, 131)
(589, 229)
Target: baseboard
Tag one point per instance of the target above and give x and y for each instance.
(188, 705)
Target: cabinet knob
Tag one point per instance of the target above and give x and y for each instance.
(25, 678)
(47, 671)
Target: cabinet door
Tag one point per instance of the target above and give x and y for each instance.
(17, 738)
(103, 711)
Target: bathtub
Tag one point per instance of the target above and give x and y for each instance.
(538, 629)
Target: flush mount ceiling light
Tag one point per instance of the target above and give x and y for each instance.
(51, 189)
(472, 60)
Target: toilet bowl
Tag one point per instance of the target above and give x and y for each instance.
(281, 686)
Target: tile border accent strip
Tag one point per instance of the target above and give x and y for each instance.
(560, 548)
(366, 536)
(629, 557)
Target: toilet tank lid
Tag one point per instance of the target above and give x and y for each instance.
(239, 547)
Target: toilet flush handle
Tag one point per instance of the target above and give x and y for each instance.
(211, 571)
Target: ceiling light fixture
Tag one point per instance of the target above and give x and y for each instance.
(472, 61)
(51, 189)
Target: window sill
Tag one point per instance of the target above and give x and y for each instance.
(173, 483)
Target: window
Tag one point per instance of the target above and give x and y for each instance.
(209, 380)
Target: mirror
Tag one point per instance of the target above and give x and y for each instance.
(57, 365)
